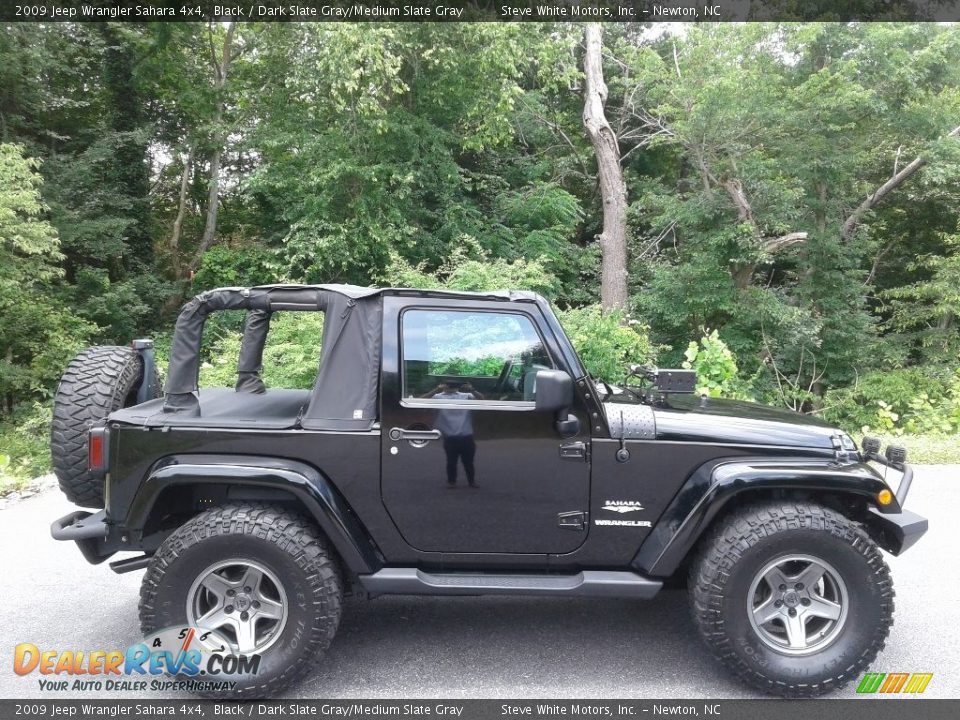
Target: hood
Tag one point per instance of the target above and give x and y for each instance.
(716, 420)
(690, 418)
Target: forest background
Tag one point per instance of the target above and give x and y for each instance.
(782, 215)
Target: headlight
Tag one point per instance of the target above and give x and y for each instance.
(847, 443)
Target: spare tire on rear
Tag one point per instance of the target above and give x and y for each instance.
(96, 382)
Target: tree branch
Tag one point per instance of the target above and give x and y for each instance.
(775, 245)
(852, 222)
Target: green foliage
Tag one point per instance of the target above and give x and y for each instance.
(290, 358)
(479, 367)
(924, 311)
(607, 343)
(478, 275)
(24, 445)
(759, 131)
(24, 232)
(922, 449)
(919, 400)
(121, 309)
(223, 266)
(470, 268)
(715, 365)
(413, 150)
(36, 334)
(453, 155)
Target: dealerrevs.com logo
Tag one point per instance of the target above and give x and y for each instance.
(199, 660)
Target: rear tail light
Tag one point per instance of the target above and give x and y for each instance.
(97, 449)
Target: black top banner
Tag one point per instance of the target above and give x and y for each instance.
(647, 11)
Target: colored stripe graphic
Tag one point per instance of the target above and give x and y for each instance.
(871, 682)
(893, 683)
(918, 682)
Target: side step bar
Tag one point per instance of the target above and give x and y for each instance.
(589, 583)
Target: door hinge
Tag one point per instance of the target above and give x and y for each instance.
(576, 520)
(574, 451)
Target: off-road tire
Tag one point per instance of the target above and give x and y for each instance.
(96, 382)
(740, 546)
(289, 545)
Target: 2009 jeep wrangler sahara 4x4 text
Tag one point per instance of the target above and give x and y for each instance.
(453, 444)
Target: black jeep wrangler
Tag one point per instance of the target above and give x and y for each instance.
(453, 444)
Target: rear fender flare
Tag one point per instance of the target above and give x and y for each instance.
(304, 482)
(708, 490)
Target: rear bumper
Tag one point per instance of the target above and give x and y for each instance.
(896, 532)
(89, 531)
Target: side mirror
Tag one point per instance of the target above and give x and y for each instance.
(554, 390)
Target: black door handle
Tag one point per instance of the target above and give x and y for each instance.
(416, 435)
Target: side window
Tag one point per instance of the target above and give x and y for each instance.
(462, 355)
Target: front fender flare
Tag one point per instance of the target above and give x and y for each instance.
(302, 481)
(714, 484)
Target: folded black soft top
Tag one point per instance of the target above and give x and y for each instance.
(344, 396)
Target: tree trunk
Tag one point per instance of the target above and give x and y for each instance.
(613, 239)
(174, 245)
(221, 71)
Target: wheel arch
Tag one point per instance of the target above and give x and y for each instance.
(182, 486)
(719, 487)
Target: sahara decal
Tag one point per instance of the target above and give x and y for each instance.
(621, 506)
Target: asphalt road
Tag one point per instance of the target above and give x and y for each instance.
(482, 647)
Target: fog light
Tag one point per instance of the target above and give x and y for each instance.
(896, 454)
(884, 497)
(870, 445)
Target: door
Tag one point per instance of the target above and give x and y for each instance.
(468, 464)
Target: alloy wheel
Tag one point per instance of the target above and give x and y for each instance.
(798, 604)
(242, 600)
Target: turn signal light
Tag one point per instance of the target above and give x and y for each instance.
(884, 497)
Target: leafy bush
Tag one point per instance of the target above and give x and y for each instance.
(120, 310)
(224, 266)
(717, 374)
(919, 400)
(606, 343)
(470, 267)
(24, 446)
(36, 330)
(290, 358)
(921, 449)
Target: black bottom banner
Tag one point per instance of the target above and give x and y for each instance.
(852, 709)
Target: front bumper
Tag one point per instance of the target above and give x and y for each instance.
(896, 532)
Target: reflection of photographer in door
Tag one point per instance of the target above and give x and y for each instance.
(456, 426)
